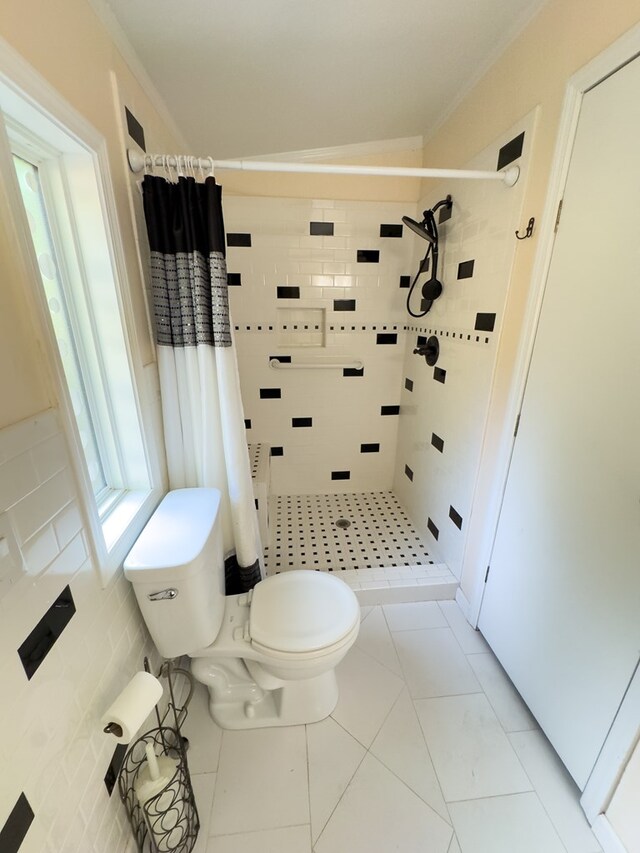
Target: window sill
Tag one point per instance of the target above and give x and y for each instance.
(122, 526)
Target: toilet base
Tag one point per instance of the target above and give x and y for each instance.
(236, 701)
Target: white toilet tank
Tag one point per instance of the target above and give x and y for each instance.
(177, 570)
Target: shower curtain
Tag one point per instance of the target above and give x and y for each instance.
(201, 405)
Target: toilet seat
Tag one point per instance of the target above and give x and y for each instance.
(302, 612)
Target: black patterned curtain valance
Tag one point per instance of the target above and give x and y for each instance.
(188, 267)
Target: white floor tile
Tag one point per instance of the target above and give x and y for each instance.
(204, 735)
(512, 824)
(378, 814)
(368, 691)
(556, 789)
(434, 664)
(364, 612)
(454, 847)
(262, 781)
(204, 785)
(412, 617)
(470, 752)
(334, 756)
(292, 839)
(470, 640)
(505, 699)
(374, 639)
(400, 746)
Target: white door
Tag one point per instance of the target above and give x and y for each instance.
(561, 607)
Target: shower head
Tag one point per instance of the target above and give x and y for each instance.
(427, 229)
(420, 228)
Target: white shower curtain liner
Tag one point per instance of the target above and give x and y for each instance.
(205, 438)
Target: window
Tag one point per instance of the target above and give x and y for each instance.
(63, 310)
(65, 199)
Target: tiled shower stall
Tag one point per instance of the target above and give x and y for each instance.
(323, 283)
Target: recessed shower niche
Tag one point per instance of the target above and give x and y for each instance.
(301, 327)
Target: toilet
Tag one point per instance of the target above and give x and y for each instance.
(268, 656)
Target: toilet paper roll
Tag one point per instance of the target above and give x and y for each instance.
(133, 705)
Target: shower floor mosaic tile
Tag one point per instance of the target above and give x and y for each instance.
(342, 532)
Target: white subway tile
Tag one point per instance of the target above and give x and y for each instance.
(40, 550)
(18, 477)
(40, 506)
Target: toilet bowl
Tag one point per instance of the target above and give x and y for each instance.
(267, 657)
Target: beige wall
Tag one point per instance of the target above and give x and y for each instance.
(532, 72)
(69, 47)
(340, 187)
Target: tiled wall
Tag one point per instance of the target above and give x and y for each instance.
(444, 408)
(320, 280)
(51, 739)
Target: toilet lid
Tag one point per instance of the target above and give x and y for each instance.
(302, 611)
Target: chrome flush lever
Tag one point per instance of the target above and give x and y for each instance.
(164, 595)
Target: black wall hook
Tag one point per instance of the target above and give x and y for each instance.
(529, 230)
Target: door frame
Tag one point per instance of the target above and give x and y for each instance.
(624, 731)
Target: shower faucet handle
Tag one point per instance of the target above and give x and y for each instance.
(430, 350)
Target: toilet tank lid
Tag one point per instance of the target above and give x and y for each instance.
(176, 533)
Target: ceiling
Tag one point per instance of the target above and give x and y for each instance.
(251, 77)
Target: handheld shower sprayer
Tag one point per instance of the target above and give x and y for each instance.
(428, 230)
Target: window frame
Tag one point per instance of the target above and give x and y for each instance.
(26, 99)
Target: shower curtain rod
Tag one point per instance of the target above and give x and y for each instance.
(138, 161)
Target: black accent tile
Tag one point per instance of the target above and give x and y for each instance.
(368, 256)
(234, 279)
(437, 442)
(283, 359)
(255, 500)
(391, 230)
(455, 516)
(16, 826)
(135, 129)
(247, 423)
(425, 263)
(408, 384)
(511, 151)
(433, 529)
(344, 304)
(485, 322)
(390, 410)
(276, 451)
(408, 472)
(439, 374)
(321, 229)
(369, 448)
(270, 393)
(421, 340)
(111, 776)
(239, 240)
(43, 637)
(352, 371)
(341, 475)
(301, 422)
(387, 338)
(445, 213)
(287, 292)
(405, 281)
(465, 269)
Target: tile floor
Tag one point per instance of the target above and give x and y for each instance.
(430, 750)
